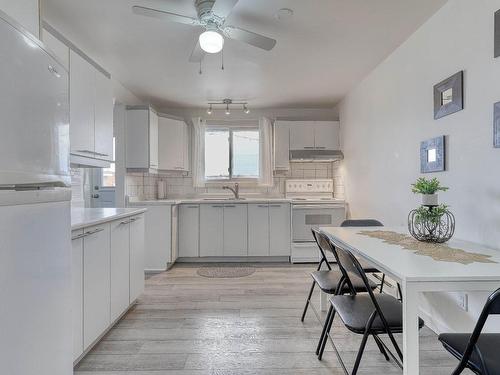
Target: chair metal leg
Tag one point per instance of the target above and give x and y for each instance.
(381, 347)
(400, 293)
(325, 336)
(308, 301)
(382, 283)
(330, 311)
(360, 352)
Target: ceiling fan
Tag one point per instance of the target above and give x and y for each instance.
(212, 16)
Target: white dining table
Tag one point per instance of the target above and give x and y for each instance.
(417, 274)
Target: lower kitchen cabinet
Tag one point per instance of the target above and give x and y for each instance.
(279, 229)
(77, 288)
(120, 266)
(96, 281)
(235, 230)
(211, 230)
(189, 230)
(107, 276)
(136, 276)
(258, 229)
(269, 229)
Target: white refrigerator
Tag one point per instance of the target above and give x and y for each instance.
(35, 222)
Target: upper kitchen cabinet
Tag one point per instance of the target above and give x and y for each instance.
(142, 138)
(314, 135)
(282, 145)
(173, 144)
(25, 12)
(91, 114)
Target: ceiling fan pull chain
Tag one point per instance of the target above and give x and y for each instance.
(200, 68)
(222, 52)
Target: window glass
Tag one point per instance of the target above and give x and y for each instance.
(108, 174)
(246, 154)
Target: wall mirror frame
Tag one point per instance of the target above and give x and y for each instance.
(432, 155)
(449, 95)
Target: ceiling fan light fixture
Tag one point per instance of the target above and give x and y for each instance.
(211, 41)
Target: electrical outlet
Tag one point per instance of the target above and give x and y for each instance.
(463, 301)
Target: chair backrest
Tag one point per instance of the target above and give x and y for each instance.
(323, 247)
(361, 223)
(491, 307)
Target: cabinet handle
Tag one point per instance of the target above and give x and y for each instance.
(134, 219)
(217, 206)
(230, 206)
(54, 71)
(100, 154)
(93, 232)
(124, 222)
(178, 167)
(191, 206)
(78, 236)
(263, 206)
(320, 148)
(309, 147)
(275, 205)
(86, 151)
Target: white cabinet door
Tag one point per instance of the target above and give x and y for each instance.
(26, 12)
(137, 142)
(326, 135)
(103, 119)
(77, 283)
(302, 135)
(120, 264)
(82, 93)
(158, 238)
(281, 145)
(189, 230)
(96, 282)
(136, 257)
(153, 140)
(235, 230)
(172, 144)
(258, 229)
(279, 229)
(211, 230)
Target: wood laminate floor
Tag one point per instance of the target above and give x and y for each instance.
(185, 324)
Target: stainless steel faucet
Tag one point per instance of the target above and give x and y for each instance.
(235, 190)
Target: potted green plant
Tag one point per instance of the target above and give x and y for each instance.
(428, 188)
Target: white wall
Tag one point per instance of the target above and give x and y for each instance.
(389, 113)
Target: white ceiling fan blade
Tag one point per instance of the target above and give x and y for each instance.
(222, 8)
(149, 12)
(256, 40)
(198, 54)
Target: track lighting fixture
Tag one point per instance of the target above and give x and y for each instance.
(228, 103)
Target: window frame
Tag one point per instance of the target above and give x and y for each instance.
(231, 178)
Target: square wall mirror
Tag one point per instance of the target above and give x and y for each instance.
(432, 155)
(448, 96)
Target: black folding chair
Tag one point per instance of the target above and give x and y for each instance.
(329, 280)
(366, 314)
(477, 351)
(368, 268)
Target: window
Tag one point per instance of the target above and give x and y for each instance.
(231, 154)
(108, 174)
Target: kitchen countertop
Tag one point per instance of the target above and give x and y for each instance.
(85, 217)
(139, 203)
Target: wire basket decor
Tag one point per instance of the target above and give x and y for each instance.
(436, 228)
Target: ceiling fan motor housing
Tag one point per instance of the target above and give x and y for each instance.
(204, 9)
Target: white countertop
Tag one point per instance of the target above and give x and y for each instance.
(85, 217)
(139, 203)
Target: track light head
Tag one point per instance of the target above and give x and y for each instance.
(209, 110)
(245, 109)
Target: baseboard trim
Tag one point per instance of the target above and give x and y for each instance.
(264, 259)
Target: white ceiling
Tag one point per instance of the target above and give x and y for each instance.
(322, 52)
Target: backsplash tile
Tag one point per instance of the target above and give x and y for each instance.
(144, 185)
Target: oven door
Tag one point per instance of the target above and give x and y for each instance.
(305, 217)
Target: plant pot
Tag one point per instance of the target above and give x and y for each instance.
(429, 199)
